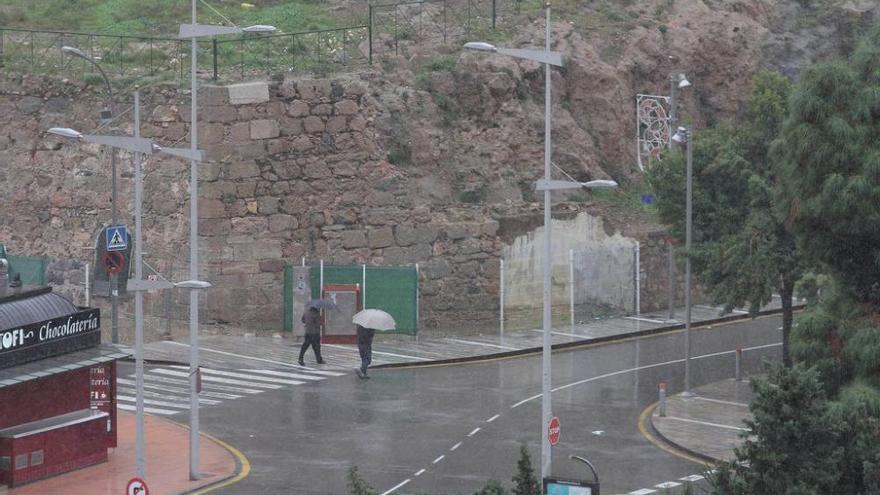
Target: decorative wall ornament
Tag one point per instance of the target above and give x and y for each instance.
(652, 127)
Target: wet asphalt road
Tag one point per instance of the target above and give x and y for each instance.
(303, 439)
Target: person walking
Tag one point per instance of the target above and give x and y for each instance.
(365, 348)
(312, 320)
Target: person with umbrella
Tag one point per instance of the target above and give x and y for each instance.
(312, 321)
(368, 321)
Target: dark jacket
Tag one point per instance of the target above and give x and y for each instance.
(365, 335)
(312, 319)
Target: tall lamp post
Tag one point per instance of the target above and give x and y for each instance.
(193, 32)
(106, 117)
(685, 136)
(548, 58)
(137, 146)
(677, 81)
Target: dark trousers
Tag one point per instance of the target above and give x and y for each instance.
(366, 352)
(315, 342)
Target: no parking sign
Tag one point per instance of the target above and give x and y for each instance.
(137, 486)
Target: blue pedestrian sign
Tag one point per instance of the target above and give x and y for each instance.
(569, 487)
(117, 238)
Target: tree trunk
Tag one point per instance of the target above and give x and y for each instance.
(787, 316)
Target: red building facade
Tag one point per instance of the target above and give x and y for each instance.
(57, 387)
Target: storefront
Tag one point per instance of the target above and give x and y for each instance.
(57, 386)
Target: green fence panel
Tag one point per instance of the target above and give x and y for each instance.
(287, 307)
(32, 269)
(391, 289)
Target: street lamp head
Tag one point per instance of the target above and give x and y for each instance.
(599, 184)
(681, 136)
(66, 132)
(684, 83)
(259, 28)
(74, 52)
(480, 46)
(193, 284)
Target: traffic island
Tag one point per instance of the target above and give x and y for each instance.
(166, 461)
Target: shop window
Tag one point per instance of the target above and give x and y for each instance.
(4, 462)
(21, 461)
(36, 457)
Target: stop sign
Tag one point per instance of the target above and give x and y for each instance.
(553, 430)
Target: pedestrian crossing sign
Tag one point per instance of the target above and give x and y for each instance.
(117, 238)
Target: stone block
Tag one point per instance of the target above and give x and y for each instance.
(248, 93)
(275, 146)
(415, 234)
(384, 216)
(336, 125)
(211, 208)
(346, 107)
(272, 266)
(469, 246)
(210, 94)
(302, 143)
(490, 227)
(239, 268)
(353, 239)
(209, 171)
(298, 108)
(268, 205)
(313, 124)
(257, 250)
(249, 225)
(281, 222)
(265, 129)
(250, 151)
(240, 132)
(242, 170)
(164, 113)
(322, 109)
(222, 114)
(211, 133)
(357, 123)
(291, 126)
(436, 268)
(276, 109)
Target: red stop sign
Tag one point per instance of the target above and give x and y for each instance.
(553, 430)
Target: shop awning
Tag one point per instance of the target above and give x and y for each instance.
(61, 364)
(31, 305)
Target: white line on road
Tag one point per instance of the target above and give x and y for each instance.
(719, 401)
(484, 344)
(524, 401)
(419, 472)
(177, 390)
(582, 336)
(455, 447)
(252, 358)
(643, 491)
(383, 353)
(230, 381)
(156, 395)
(692, 478)
(474, 432)
(435, 461)
(179, 405)
(638, 318)
(288, 375)
(706, 423)
(165, 379)
(493, 418)
(245, 376)
(151, 410)
(399, 485)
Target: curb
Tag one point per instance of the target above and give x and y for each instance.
(585, 342)
(689, 451)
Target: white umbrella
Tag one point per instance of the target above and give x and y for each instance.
(375, 319)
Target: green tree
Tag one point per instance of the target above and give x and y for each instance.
(829, 163)
(525, 482)
(356, 484)
(741, 248)
(493, 487)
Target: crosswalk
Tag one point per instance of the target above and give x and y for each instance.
(166, 388)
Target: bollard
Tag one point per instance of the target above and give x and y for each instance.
(662, 400)
(739, 357)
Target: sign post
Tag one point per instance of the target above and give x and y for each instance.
(553, 429)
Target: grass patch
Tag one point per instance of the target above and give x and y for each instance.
(636, 198)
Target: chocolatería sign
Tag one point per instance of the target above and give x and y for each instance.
(50, 337)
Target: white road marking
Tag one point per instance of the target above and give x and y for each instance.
(706, 423)
(157, 395)
(525, 400)
(419, 472)
(493, 418)
(474, 432)
(179, 405)
(583, 336)
(719, 401)
(483, 344)
(216, 379)
(643, 491)
(383, 353)
(284, 374)
(455, 447)
(244, 376)
(212, 386)
(692, 478)
(252, 358)
(667, 485)
(178, 390)
(435, 461)
(399, 485)
(151, 410)
(639, 318)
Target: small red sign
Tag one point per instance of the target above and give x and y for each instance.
(137, 486)
(553, 430)
(113, 261)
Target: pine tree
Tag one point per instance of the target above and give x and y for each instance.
(357, 485)
(493, 487)
(525, 482)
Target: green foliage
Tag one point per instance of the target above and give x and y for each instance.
(475, 195)
(829, 166)
(525, 482)
(493, 487)
(356, 484)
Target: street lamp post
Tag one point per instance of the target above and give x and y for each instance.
(546, 185)
(686, 136)
(193, 32)
(137, 146)
(677, 81)
(106, 116)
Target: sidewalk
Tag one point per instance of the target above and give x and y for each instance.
(393, 350)
(709, 424)
(166, 442)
